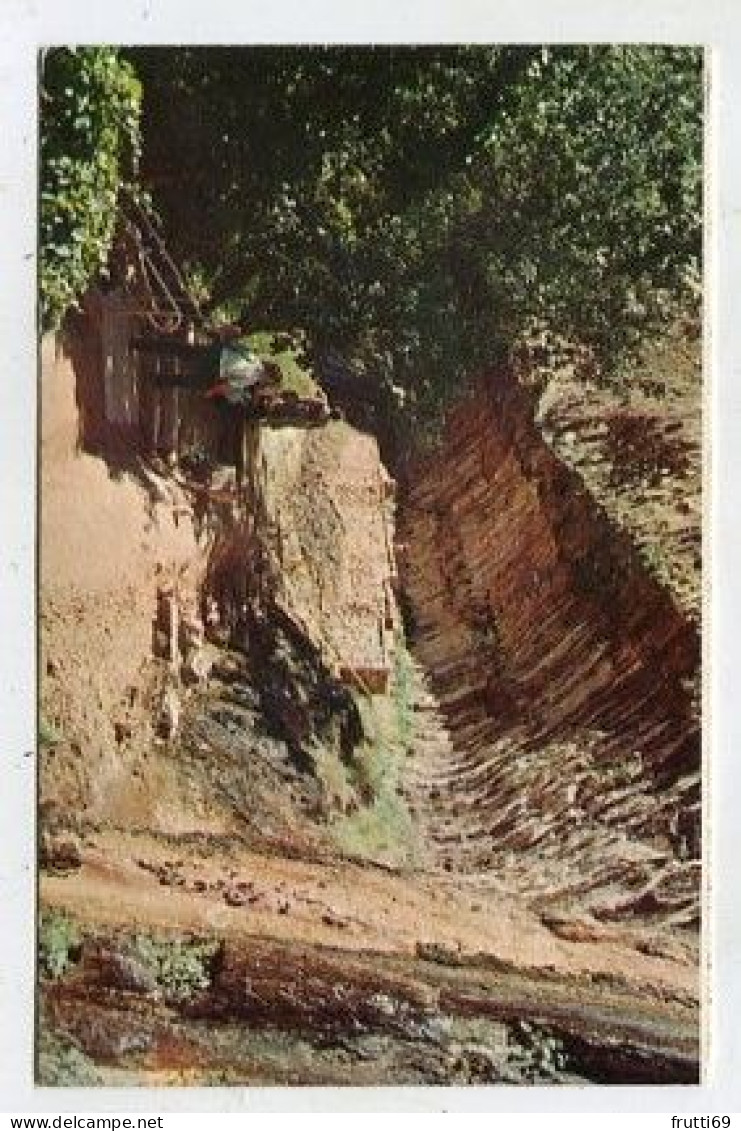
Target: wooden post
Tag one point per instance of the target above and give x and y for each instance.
(249, 451)
(253, 501)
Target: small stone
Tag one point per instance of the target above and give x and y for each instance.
(121, 732)
(384, 1004)
(197, 666)
(438, 952)
(169, 719)
(333, 920)
(235, 898)
(125, 972)
(59, 853)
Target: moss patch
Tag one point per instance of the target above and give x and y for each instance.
(60, 1064)
(59, 942)
(382, 828)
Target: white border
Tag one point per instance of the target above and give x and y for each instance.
(24, 27)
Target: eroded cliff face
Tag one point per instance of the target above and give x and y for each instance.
(328, 511)
(109, 543)
(637, 446)
(153, 578)
(563, 674)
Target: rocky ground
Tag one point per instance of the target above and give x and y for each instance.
(559, 674)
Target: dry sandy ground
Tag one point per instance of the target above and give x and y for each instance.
(341, 903)
(337, 972)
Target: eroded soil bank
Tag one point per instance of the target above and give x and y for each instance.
(281, 844)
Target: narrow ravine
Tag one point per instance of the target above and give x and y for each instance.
(559, 679)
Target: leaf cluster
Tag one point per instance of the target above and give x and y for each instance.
(90, 143)
(181, 966)
(59, 940)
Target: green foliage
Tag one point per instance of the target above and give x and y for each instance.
(181, 966)
(382, 827)
(48, 735)
(90, 111)
(593, 179)
(402, 691)
(59, 940)
(61, 1064)
(537, 1054)
(417, 210)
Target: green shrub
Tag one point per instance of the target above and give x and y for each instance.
(382, 828)
(536, 1053)
(296, 376)
(59, 940)
(180, 965)
(90, 113)
(48, 735)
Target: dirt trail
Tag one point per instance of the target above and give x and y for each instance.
(351, 905)
(326, 951)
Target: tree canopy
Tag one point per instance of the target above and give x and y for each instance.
(414, 210)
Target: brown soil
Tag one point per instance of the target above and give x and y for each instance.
(331, 902)
(321, 948)
(551, 904)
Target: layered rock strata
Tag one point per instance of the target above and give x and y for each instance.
(563, 672)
